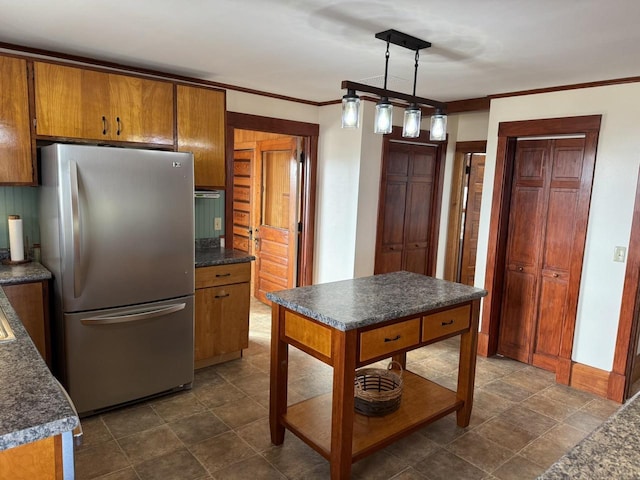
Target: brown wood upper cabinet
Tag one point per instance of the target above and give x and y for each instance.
(16, 166)
(88, 104)
(201, 130)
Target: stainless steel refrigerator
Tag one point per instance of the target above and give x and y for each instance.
(117, 233)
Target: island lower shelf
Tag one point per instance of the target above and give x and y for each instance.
(423, 401)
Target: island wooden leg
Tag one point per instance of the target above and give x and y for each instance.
(342, 408)
(467, 366)
(279, 372)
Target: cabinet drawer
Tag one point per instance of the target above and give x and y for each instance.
(445, 323)
(389, 339)
(223, 274)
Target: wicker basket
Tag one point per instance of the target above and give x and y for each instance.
(378, 391)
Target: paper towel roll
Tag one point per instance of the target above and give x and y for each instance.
(16, 244)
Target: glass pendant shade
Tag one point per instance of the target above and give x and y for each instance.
(384, 116)
(438, 130)
(411, 124)
(350, 110)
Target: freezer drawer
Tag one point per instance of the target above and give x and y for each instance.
(119, 355)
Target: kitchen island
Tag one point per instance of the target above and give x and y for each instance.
(352, 323)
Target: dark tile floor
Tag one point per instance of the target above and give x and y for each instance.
(522, 422)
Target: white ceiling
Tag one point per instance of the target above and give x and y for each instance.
(305, 48)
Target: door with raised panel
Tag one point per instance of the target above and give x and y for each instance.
(544, 233)
(276, 216)
(472, 219)
(405, 219)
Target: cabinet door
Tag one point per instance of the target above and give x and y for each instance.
(221, 320)
(28, 300)
(140, 110)
(15, 149)
(71, 102)
(201, 130)
(82, 103)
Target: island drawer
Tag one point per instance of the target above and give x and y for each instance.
(445, 323)
(223, 274)
(386, 340)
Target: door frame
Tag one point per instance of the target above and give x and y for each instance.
(441, 152)
(627, 337)
(310, 133)
(508, 133)
(452, 251)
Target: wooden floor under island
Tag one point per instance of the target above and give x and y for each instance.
(353, 323)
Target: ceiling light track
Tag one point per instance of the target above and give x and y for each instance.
(384, 108)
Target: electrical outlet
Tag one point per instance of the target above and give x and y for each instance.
(217, 223)
(619, 254)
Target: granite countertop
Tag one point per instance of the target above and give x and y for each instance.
(612, 451)
(351, 304)
(33, 405)
(27, 272)
(207, 257)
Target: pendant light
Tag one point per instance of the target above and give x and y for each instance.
(351, 110)
(438, 130)
(412, 114)
(384, 109)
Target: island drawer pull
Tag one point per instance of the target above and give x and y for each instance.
(397, 337)
(222, 296)
(450, 322)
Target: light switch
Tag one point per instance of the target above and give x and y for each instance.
(217, 223)
(619, 254)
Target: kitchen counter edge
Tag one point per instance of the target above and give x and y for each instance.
(210, 257)
(33, 405)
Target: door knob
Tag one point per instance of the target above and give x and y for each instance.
(555, 275)
(520, 269)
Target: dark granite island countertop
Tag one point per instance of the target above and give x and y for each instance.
(33, 405)
(612, 451)
(350, 304)
(208, 257)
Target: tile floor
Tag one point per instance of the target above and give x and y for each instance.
(522, 422)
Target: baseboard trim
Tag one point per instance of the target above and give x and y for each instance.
(590, 379)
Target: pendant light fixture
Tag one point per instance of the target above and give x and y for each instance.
(384, 108)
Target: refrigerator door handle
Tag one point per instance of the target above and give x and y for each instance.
(75, 225)
(135, 316)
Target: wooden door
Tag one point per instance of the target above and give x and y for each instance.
(543, 239)
(276, 216)
(16, 166)
(472, 219)
(405, 219)
(201, 130)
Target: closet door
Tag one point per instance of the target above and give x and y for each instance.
(561, 218)
(543, 246)
(523, 250)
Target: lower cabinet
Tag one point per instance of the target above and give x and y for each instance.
(30, 301)
(39, 459)
(221, 313)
